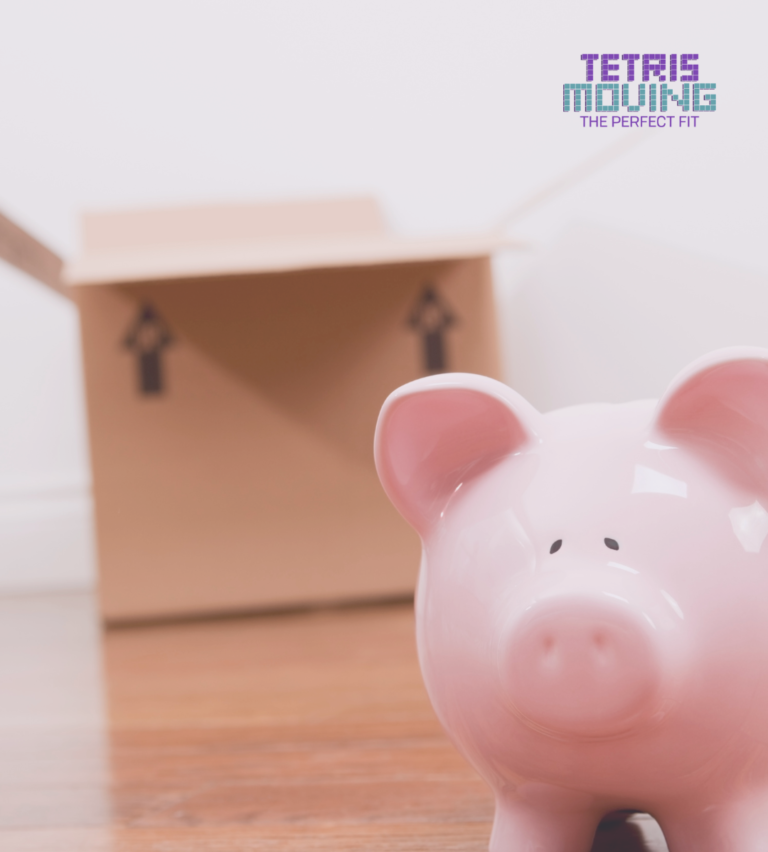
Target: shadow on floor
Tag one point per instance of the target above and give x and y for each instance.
(629, 832)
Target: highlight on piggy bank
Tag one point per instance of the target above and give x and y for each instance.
(592, 607)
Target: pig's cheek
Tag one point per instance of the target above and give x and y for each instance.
(492, 557)
(483, 562)
(470, 574)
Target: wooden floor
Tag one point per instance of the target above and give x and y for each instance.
(306, 731)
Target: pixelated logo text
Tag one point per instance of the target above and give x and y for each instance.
(637, 101)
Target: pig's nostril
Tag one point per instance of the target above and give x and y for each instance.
(601, 648)
(556, 546)
(612, 543)
(549, 655)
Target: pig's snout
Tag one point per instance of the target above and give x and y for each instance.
(582, 666)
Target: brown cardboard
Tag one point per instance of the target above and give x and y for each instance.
(23, 251)
(241, 476)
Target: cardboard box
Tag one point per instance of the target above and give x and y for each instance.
(236, 359)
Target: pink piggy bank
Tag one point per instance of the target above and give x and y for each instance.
(592, 608)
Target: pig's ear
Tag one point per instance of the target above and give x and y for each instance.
(721, 401)
(435, 433)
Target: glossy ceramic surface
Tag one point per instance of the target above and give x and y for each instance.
(592, 609)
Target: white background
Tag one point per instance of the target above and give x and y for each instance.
(449, 112)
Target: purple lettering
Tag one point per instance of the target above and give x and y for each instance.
(630, 58)
(686, 66)
(590, 58)
(655, 62)
(606, 67)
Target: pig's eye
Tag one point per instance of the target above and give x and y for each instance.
(557, 545)
(612, 543)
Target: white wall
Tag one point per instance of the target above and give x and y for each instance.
(448, 110)
(603, 316)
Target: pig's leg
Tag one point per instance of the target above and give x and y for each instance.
(518, 826)
(730, 827)
(699, 833)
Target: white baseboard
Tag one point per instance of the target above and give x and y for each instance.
(46, 536)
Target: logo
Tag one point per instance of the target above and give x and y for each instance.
(646, 90)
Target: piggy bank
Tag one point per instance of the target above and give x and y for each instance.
(592, 606)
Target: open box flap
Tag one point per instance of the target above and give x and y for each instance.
(201, 242)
